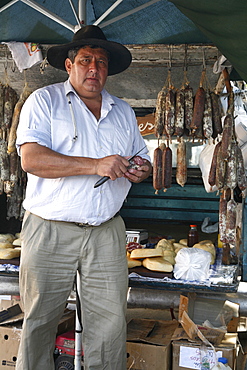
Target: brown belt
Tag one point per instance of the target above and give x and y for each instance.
(88, 225)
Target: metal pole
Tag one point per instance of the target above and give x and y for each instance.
(48, 14)
(82, 12)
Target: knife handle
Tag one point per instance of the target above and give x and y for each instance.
(101, 181)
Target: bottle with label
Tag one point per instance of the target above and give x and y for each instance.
(222, 364)
(205, 365)
(193, 237)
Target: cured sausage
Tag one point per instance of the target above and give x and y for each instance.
(181, 173)
(167, 168)
(188, 108)
(216, 114)
(222, 217)
(231, 168)
(241, 177)
(220, 171)
(160, 114)
(157, 170)
(15, 119)
(179, 113)
(10, 98)
(1, 109)
(199, 104)
(227, 136)
(169, 114)
(212, 172)
(207, 117)
(231, 218)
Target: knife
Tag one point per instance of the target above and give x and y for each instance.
(103, 179)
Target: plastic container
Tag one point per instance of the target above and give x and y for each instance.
(222, 364)
(193, 237)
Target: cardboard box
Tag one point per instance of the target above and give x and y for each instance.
(10, 335)
(149, 344)
(242, 353)
(210, 317)
(186, 355)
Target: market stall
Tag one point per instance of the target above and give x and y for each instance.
(192, 68)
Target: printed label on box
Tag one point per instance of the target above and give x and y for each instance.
(190, 357)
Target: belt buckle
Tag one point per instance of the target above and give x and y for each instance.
(82, 225)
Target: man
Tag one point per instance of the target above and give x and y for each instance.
(70, 134)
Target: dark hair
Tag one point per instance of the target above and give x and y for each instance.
(72, 53)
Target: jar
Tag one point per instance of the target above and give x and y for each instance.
(193, 237)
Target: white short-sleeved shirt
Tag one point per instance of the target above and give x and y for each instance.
(47, 120)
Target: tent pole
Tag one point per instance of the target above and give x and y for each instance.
(48, 14)
(6, 6)
(130, 12)
(107, 12)
(82, 12)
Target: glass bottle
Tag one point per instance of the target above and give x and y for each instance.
(193, 237)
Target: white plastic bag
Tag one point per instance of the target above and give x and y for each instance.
(192, 264)
(205, 160)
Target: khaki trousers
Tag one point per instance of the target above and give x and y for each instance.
(52, 252)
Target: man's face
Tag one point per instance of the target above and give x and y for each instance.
(89, 71)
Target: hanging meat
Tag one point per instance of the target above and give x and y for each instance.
(157, 169)
(169, 125)
(179, 113)
(216, 114)
(15, 119)
(196, 125)
(181, 171)
(167, 168)
(207, 117)
(160, 114)
(10, 99)
(188, 109)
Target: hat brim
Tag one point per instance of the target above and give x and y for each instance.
(120, 56)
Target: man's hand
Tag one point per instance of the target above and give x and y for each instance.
(113, 166)
(138, 170)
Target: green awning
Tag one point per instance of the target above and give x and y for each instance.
(224, 22)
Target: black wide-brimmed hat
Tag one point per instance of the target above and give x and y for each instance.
(120, 57)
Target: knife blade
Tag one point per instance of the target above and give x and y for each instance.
(103, 179)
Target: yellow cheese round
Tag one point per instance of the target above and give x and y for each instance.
(17, 242)
(5, 245)
(9, 253)
(133, 263)
(146, 252)
(157, 264)
(6, 238)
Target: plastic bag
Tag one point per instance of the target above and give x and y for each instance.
(205, 160)
(192, 264)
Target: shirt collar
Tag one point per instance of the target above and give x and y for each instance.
(106, 97)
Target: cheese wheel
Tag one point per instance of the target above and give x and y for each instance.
(170, 259)
(167, 252)
(146, 252)
(5, 245)
(133, 263)
(9, 253)
(157, 264)
(6, 238)
(206, 242)
(165, 244)
(17, 242)
(183, 241)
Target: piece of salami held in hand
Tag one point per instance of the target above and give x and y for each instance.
(136, 162)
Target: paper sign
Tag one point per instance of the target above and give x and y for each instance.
(190, 357)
